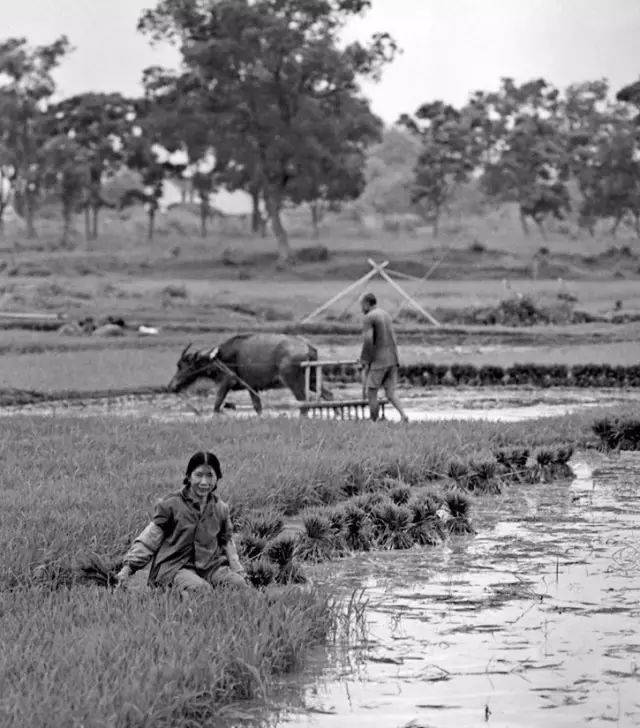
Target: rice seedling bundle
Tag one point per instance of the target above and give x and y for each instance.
(540, 375)
(282, 552)
(261, 572)
(458, 506)
(358, 528)
(316, 543)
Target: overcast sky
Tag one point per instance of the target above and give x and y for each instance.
(450, 47)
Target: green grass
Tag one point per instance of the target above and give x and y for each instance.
(93, 658)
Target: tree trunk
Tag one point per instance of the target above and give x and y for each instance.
(284, 250)
(256, 218)
(152, 216)
(616, 222)
(523, 222)
(94, 227)
(67, 214)
(204, 214)
(87, 223)
(436, 223)
(315, 220)
(29, 213)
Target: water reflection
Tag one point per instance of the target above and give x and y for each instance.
(506, 404)
(533, 622)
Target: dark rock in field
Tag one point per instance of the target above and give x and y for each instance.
(313, 254)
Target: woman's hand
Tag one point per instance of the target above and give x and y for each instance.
(122, 577)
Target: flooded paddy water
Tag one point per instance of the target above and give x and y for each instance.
(531, 622)
(506, 404)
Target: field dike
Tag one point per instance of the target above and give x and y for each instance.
(302, 494)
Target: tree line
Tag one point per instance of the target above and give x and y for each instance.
(264, 84)
(267, 92)
(526, 143)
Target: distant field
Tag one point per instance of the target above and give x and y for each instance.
(229, 301)
(498, 228)
(229, 281)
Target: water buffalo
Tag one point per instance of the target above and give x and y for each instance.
(261, 361)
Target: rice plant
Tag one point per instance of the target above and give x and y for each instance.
(544, 457)
(482, 477)
(261, 572)
(458, 470)
(336, 519)
(562, 455)
(369, 501)
(358, 531)
(426, 528)
(606, 429)
(400, 494)
(251, 546)
(392, 525)
(316, 543)
(513, 462)
(91, 568)
(264, 525)
(282, 552)
(458, 506)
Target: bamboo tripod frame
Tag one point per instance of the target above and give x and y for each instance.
(377, 269)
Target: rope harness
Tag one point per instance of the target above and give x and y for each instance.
(224, 368)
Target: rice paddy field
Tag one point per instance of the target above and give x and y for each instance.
(403, 576)
(77, 654)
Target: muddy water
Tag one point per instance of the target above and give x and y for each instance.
(500, 403)
(532, 622)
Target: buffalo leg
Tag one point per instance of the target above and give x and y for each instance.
(256, 402)
(294, 380)
(223, 390)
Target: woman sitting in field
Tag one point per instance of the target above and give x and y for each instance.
(189, 540)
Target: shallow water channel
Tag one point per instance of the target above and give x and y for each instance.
(506, 404)
(531, 622)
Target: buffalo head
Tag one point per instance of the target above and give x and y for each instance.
(193, 365)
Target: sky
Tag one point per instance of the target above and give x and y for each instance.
(450, 48)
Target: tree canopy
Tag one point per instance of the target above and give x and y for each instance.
(282, 94)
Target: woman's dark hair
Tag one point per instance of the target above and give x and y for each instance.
(203, 458)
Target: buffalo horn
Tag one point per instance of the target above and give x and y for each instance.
(185, 350)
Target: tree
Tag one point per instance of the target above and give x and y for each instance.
(609, 177)
(26, 86)
(66, 167)
(390, 167)
(97, 124)
(448, 155)
(631, 94)
(203, 185)
(605, 155)
(524, 155)
(282, 95)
